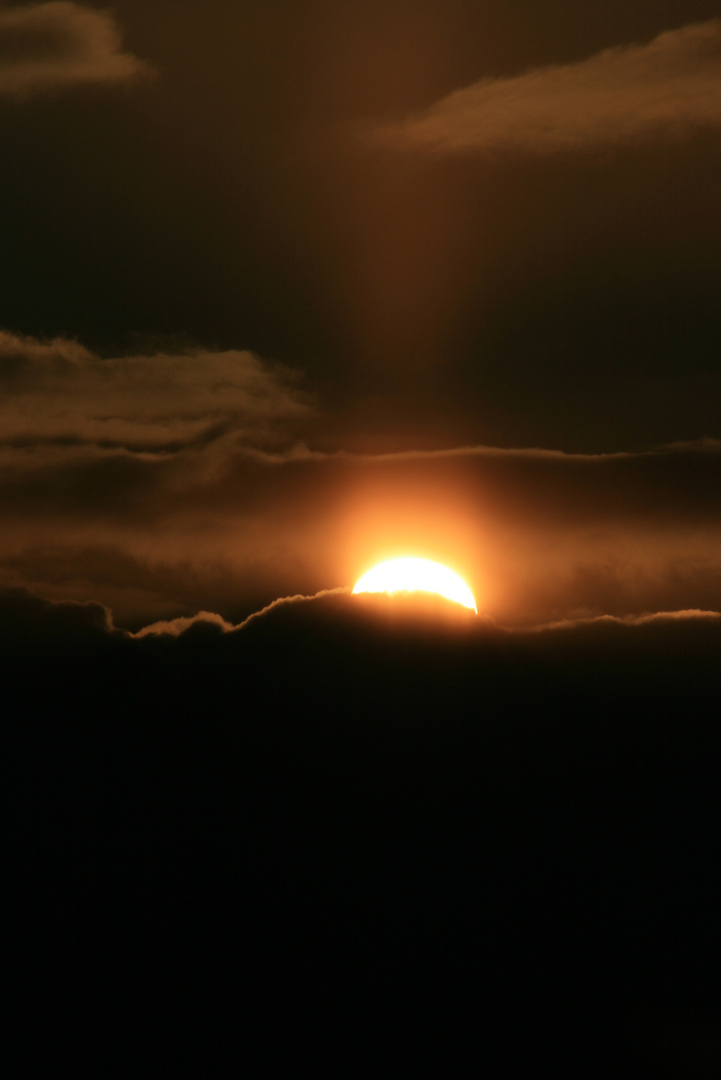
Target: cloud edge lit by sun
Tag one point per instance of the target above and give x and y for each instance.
(407, 575)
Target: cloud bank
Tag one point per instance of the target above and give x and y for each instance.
(666, 89)
(324, 814)
(343, 618)
(388, 615)
(62, 44)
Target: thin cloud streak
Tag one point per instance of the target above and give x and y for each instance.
(663, 90)
(648, 618)
(61, 44)
(300, 452)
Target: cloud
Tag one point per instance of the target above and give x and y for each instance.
(166, 484)
(666, 89)
(27, 620)
(58, 396)
(431, 818)
(61, 44)
(369, 657)
(660, 617)
(389, 614)
(338, 612)
(176, 627)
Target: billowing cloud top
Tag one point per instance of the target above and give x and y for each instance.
(331, 609)
(665, 89)
(344, 618)
(59, 44)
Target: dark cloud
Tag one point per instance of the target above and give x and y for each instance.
(25, 617)
(61, 44)
(368, 826)
(415, 612)
(666, 89)
(176, 627)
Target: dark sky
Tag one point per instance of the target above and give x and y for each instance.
(507, 294)
(426, 226)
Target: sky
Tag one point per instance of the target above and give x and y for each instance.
(287, 289)
(253, 256)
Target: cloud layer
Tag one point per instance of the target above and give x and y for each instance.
(666, 89)
(166, 484)
(61, 44)
(416, 615)
(58, 395)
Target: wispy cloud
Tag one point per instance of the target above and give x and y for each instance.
(59, 396)
(61, 44)
(662, 90)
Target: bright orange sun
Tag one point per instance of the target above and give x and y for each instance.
(416, 575)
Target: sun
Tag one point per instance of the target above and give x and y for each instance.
(416, 575)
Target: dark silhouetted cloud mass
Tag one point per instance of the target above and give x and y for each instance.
(367, 823)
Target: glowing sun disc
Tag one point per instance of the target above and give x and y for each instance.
(416, 575)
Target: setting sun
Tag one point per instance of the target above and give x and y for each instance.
(416, 575)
